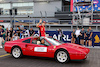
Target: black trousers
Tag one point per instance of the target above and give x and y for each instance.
(78, 40)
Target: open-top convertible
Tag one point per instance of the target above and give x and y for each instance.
(31, 46)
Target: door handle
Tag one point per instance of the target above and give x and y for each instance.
(26, 45)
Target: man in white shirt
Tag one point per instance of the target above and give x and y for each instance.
(26, 33)
(77, 33)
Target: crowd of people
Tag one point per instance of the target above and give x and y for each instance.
(19, 32)
(14, 34)
(79, 36)
(82, 37)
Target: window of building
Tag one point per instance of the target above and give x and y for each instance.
(4, 8)
(24, 8)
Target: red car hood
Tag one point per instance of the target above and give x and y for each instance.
(77, 47)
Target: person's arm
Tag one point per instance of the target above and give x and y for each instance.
(3, 32)
(39, 23)
(91, 35)
(6, 32)
(33, 34)
(45, 34)
(13, 31)
(80, 33)
(75, 32)
(85, 34)
(29, 31)
(72, 34)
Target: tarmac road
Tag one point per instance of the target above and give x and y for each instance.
(6, 60)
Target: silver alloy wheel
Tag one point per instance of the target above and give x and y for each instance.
(62, 56)
(16, 52)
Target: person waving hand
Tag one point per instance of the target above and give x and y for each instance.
(41, 28)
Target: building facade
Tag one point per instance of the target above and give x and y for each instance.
(29, 8)
(56, 12)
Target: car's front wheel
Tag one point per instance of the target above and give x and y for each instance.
(62, 56)
(16, 52)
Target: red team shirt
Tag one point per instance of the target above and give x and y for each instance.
(42, 30)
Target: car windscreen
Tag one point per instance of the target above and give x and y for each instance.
(53, 42)
(57, 40)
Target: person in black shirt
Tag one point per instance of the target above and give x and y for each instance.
(7, 34)
(73, 36)
(11, 33)
(60, 32)
(82, 36)
(90, 37)
(32, 32)
(87, 34)
(19, 31)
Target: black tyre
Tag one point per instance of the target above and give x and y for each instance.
(17, 52)
(62, 56)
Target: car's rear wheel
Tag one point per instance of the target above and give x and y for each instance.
(62, 56)
(17, 52)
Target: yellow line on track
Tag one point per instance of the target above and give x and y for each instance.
(4, 55)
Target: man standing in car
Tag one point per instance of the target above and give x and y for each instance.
(41, 28)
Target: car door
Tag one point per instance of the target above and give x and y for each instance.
(43, 50)
(28, 48)
(34, 49)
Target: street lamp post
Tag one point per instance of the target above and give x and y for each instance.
(29, 21)
(11, 14)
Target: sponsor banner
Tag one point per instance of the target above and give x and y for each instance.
(67, 36)
(96, 39)
(54, 34)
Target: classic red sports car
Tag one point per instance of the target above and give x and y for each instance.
(31, 46)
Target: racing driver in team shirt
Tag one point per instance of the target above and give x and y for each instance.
(41, 28)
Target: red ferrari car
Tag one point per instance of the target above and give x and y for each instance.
(31, 46)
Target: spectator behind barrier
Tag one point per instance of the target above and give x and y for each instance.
(1, 36)
(77, 33)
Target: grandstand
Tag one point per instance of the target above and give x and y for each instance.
(58, 13)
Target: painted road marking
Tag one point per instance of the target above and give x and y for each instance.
(4, 55)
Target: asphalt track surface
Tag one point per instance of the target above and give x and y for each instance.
(6, 60)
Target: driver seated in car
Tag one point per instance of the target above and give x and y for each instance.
(42, 42)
